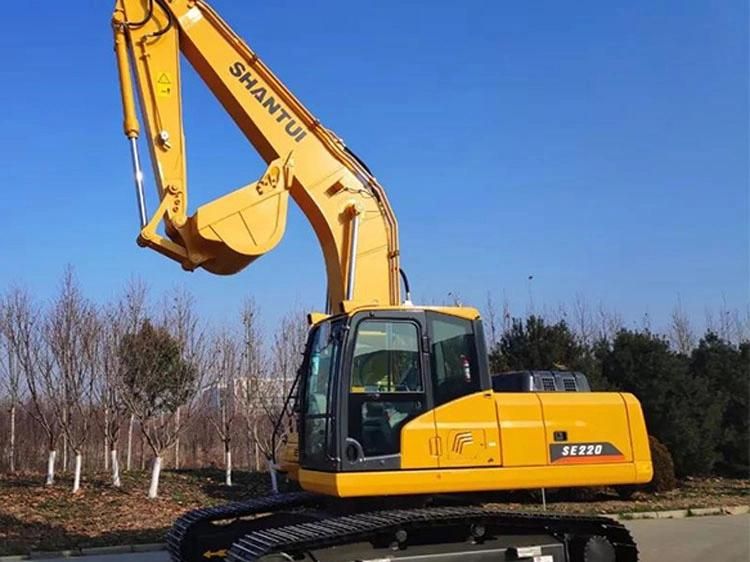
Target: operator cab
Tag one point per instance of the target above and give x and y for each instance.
(367, 375)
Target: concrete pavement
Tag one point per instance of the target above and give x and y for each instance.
(693, 539)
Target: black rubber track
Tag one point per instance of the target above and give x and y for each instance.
(367, 527)
(180, 536)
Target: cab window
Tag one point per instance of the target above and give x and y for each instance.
(319, 386)
(386, 389)
(386, 358)
(455, 368)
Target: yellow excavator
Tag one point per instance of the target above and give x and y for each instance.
(401, 430)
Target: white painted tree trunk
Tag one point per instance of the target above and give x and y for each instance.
(51, 468)
(77, 473)
(115, 468)
(228, 475)
(153, 490)
(12, 452)
(130, 441)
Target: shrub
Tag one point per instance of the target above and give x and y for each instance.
(664, 478)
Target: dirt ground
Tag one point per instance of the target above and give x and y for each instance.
(38, 518)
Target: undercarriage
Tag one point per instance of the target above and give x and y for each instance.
(310, 527)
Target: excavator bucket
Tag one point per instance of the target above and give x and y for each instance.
(229, 233)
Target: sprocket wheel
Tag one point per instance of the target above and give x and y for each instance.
(598, 549)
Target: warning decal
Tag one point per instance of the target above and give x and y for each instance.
(164, 85)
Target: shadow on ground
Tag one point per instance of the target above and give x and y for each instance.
(23, 537)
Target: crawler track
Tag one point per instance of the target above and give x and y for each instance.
(211, 530)
(304, 526)
(440, 533)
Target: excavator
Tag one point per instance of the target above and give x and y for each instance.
(401, 432)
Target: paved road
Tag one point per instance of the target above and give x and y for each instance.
(695, 539)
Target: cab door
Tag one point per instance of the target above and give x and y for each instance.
(387, 389)
(466, 424)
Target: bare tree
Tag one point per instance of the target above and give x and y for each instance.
(726, 324)
(288, 347)
(10, 368)
(286, 357)
(491, 321)
(23, 333)
(583, 320)
(71, 334)
(224, 390)
(126, 317)
(610, 323)
(507, 315)
(252, 366)
(108, 389)
(681, 331)
(555, 315)
(742, 320)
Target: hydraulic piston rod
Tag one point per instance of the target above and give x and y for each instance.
(131, 127)
(139, 192)
(353, 252)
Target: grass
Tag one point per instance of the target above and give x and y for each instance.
(34, 517)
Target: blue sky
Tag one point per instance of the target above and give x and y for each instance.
(600, 147)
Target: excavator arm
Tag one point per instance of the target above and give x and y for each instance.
(345, 205)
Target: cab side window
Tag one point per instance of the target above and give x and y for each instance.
(455, 368)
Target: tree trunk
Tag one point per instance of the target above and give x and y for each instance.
(12, 452)
(257, 457)
(228, 463)
(130, 442)
(51, 467)
(106, 440)
(177, 441)
(65, 454)
(153, 490)
(77, 473)
(115, 468)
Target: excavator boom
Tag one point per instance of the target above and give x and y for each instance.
(344, 203)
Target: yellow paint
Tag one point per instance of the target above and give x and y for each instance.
(521, 429)
(289, 458)
(587, 417)
(164, 85)
(314, 318)
(419, 448)
(465, 312)
(461, 480)
(639, 438)
(467, 431)
(226, 235)
(521, 426)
